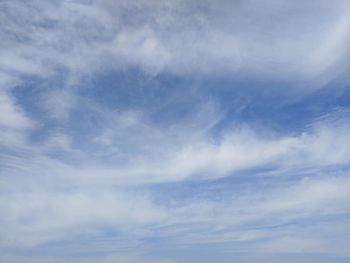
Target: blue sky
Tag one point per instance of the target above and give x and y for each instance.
(174, 131)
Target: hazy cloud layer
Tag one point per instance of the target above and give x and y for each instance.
(151, 130)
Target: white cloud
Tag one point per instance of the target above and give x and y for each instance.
(169, 157)
(58, 103)
(40, 215)
(56, 199)
(60, 190)
(178, 37)
(12, 116)
(119, 154)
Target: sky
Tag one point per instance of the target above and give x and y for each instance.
(174, 131)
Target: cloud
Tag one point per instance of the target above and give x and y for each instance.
(58, 103)
(268, 219)
(12, 117)
(98, 167)
(37, 216)
(56, 198)
(239, 150)
(117, 153)
(108, 259)
(87, 37)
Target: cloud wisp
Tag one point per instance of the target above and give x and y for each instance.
(146, 131)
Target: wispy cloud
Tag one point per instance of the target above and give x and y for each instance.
(279, 38)
(142, 131)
